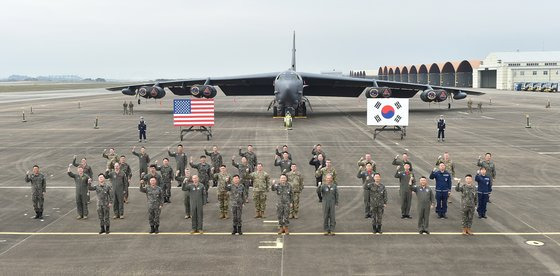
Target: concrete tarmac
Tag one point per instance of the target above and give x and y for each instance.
(524, 202)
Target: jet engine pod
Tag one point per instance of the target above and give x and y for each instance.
(206, 91)
(128, 91)
(441, 95)
(428, 95)
(157, 92)
(195, 91)
(372, 92)
(143, 91)
(460, 95)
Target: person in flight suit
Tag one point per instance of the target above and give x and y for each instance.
(185, 180)
(119, 181)
(318, 161)
(112, 158)
(180, 160)
(425, 198)
(443, 189)
(82, 181)
(366, 173)
(87, 170)
(400, 163)
(484, 189)
(197, 193)
(204, 172)
(38, 190)
(284, 150)
(329, 193)
(143, 160)
(441, 129)
(285, 163)
(406, 181)
(125, 168)
(142, 127)
(217, 161)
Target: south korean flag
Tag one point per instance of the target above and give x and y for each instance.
(387, 112)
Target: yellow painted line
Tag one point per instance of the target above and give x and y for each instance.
(275, 234)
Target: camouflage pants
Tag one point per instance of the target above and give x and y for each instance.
(236, 212)
(467, 216)
(223, 199)
(283, 211)
(295, 203)
(38, 201)
(260, 201)
(187, 203)
(377, 215)
(153, 215)
(82, 205)
(167, 190)
(103, 214)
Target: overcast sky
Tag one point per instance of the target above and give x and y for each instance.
(136, 39)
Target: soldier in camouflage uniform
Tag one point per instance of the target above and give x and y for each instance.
(87, 170)
(204, 173)
(261, 184)
(284, 192)
(185, 180)
(400, 163)
(154, 196)
(153, 173)
(111, 158)
(223, 179)
(245, 169)
(469, 198)
(217, 161)
(143, 160)
(329, 192)
(130, 108)
(250, 155)
(406, 181)
(125, 108)
(119, 182)
(104, 202)
(378, 200)
(82, 182)
(237, 200)
(38, 190)
(180, 160)
(366, 173)
(166, 177)
(197, 193)
(295, 179)
(125, 168)
(284, 150)
(426, 201)
(324, 171)
(285, 163)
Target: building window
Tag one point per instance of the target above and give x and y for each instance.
(545, 73)
(550, 64)
(534, 73)
(532, 64)
(522, 73)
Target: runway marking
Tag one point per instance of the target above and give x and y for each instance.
(463, 113)
(486, 117)
(273, 234)
(552, 152)
(277, 244)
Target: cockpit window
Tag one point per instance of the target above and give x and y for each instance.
(288, 76)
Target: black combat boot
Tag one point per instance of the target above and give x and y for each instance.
(152, 229)
(40, 215)
(234, 230)
(107, 229)
(36, 215)
(102, 230)
(373, 226)
(239, 230)
(379, 229)
(157, 229)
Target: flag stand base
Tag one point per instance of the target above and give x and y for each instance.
(402, 130)
(203, 129)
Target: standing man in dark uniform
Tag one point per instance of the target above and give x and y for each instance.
(166, 177)
(185, 181)
(484, 189)
(329, 193)
(82, 182)
(198, 196)
(284, 150)
(180, 160)
(284, 203)
(204, 173)
(130, 108)
(142, 130)
(250, 155)
(119, 181)
(154, 196)
(104, 202)
(443, 189)
(406, 181)
(217, 162)
(143, 160)
(425, 198)
(367, 175)
(441, 129)
(237, 200)
(125, 108)
(125, 168)
(318, 161)
(245, 169)
(38, 190)
(87, 170)
(378, 200)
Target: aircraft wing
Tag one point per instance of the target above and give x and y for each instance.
(248, 85)
(341, 86)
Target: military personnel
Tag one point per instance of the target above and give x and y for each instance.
(104, 202)
(125, 168)
(284, 203)
(185, 180)
(488, 164)
(223, 179)
(406, 181)
(378, 200)
(180, 160)
(469, 105)
(111, 158)
(469, 198)
(152, 172)
(38, 190)
(318, 161)
(366, 173)
(142, 127)
(143, 160)
(245, 169)
(166, 177)
(365, 160)
(250, 155)
(87, 170)
(404, 160)
(296, 181)
(217, 161)
(484, 189)
(197, 196)
(324, 171)
(329, 193)
(425, 198)
(285, 163)
(125, 108)
(261, 186)
(284, 150)
(82, 181)
(441, 129)
(130, 108)
(154, 195)
(443, 189)
(318, 149)
(119, 181)
(479, 107)
(449, 165)
(237, 200)
(204, 172)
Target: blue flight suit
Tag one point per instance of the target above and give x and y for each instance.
(142, 130)
(484, 190)
(443, 186)
(441, 129)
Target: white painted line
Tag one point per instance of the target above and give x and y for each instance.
(552, 152)
(463, 113)
(486, 117)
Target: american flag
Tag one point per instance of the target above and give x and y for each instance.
(193, 112)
